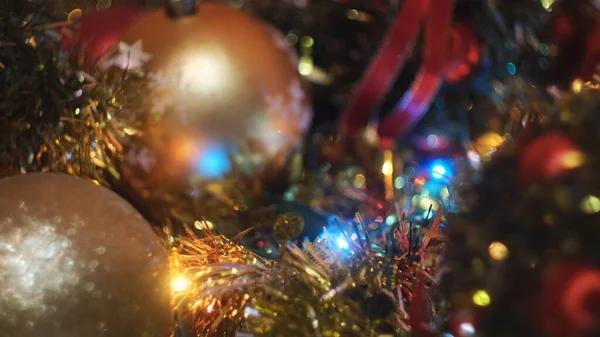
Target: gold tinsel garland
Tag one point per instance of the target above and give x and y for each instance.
(58, 116)
(223, 289)
(54, 116)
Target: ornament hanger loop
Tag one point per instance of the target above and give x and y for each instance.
(179, 8)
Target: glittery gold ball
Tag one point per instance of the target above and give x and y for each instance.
(223, 96)
(78, 260)
(226, 75)
(288, 226)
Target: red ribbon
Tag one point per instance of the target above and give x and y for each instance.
(387, 63)
(420, 320)
(391, 57)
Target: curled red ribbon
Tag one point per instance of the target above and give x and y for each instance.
(389, 60)
(380, 75)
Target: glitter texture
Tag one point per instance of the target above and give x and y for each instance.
(40, 262)
(77, 260)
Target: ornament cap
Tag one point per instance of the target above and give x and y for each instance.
(180, 8)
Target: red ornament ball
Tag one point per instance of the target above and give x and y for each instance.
(465, 53)
(570, 298)
(548, 157)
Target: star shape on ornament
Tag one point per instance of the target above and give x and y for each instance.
(297, 105)
(292, 109)
(295, 90)
(274, 104)
(161, 104)
(160, 81)
(131, 57)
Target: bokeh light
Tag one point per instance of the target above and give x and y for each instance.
(481, 298)
(498, 251)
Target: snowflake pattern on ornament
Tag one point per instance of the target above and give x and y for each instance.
(141, 157)
(130, 57)
(295, 115)
(162, 100)
(158, 81)
(161, 105)
(297, 107)
(279, 41)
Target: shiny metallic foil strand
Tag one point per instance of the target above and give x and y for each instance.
(224, 289)
(211, 280)
(403, 257)
(520, 104)
(53, 115)
(90, 124)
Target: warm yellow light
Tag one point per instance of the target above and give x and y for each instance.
(498, 251)
(370, 134)
(210, 307)
(590, 204)
(487, 143)
(204, 225)
(425, 203)
(353, 14)
(547, 4)
(481, 298)
(307, 42)
(360, 181)
(75, 15)
(203, 72)
(356, 15)
(305, 65)
(572, 159)
(577, 85)
(420, 181)
(387, 169)
(180, 284)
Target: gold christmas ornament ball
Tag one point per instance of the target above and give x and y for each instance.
(226, 80)
(288, 226)
(78, 260)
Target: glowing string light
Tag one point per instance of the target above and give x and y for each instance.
(438, 171)
(343, 244)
